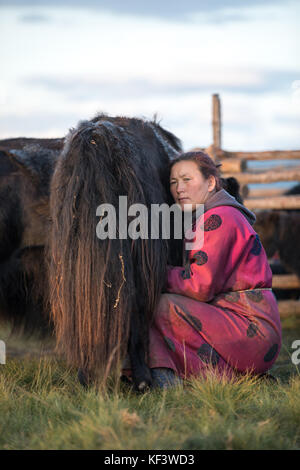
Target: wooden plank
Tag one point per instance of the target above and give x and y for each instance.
(269, 176)
(288, 308)
(275, 202)
(266, 155)
(233, 165)
(276, 168)
(264, 192)
(285, 281)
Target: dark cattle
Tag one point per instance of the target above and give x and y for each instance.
(24, 225)
(232, 186)
(294, 190)
(104, 292)
(21, 143)
(279, 232)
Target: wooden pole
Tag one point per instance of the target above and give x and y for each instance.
(216, 123)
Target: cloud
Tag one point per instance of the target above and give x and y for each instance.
(167, 9)
(37, 124)
(34, 18)
(286, 120)
(209, 81)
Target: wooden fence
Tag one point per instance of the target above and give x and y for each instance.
(236, 164)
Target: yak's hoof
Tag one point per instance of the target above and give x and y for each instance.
(83, 377)
(142, 386)
(143, 382)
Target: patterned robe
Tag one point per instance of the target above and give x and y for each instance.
(219, 309)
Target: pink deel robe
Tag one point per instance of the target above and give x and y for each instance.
(219, 309)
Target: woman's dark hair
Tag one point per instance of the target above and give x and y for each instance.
(205, 165)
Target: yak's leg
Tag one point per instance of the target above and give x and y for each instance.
(137, 352)
(20, 302)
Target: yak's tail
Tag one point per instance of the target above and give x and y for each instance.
(92, 281)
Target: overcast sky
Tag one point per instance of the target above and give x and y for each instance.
(63, 61)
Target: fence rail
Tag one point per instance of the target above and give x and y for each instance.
(288, 308)
(268, 176)
(266, 155)
(236, 164)
(273, 203)
(286, 281)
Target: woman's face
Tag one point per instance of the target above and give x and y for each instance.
(188, 185)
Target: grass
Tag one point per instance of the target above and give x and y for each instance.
(42, 406)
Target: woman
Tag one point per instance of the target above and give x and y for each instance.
(218, 309)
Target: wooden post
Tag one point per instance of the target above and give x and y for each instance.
(216, 123)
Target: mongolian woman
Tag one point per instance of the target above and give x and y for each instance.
(218, 309)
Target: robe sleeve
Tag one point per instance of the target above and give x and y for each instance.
(207, 269)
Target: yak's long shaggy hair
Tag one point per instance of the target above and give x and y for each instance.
(104, 292)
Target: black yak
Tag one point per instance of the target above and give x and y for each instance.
(293, 190)
(279, 232)
(104, 292)
(232, 186)
(24, 225)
